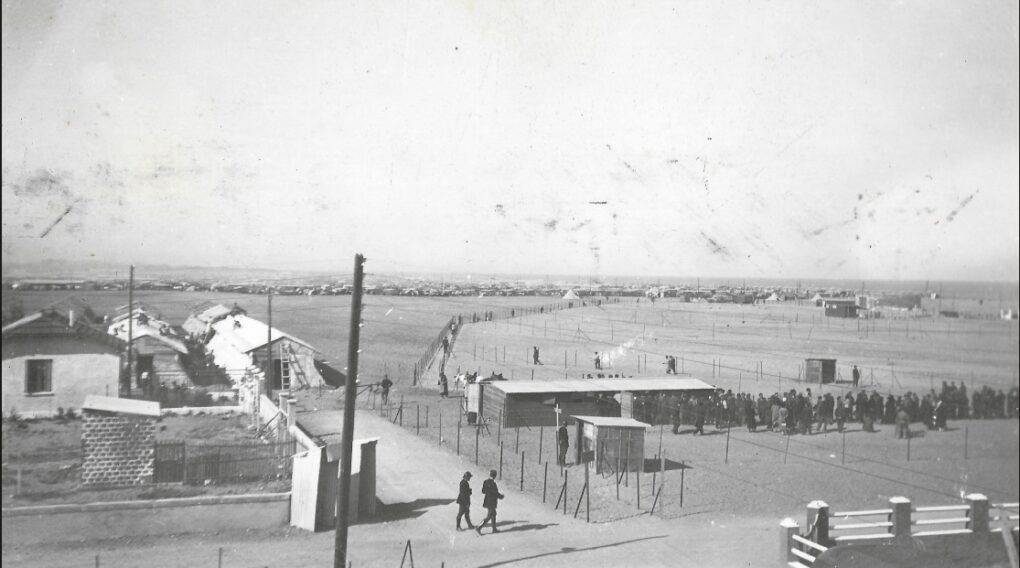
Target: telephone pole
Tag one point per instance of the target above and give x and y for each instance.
(269, 347)
(131, 331)
(343, 501)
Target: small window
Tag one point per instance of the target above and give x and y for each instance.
(39, 376)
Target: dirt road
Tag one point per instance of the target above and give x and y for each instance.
(417, 485)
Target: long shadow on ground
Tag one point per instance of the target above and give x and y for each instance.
(568, 550)
(518, 526)
(408, 510)
(652, 464)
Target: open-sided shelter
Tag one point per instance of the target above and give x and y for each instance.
(612, 443)
(820, 370)
(535, 403)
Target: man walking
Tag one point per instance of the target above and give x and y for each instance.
(598, 361)
(856, 376)
(490, 501)
(534, 355)
(902, 423)
(699, 418)
(563, 440)
(464, 501)
(386, 384)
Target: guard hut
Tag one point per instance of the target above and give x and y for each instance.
(613, 444)
(315, 482)
(820, 371)
(535, 403)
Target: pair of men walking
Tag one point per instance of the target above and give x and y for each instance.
(490, 501)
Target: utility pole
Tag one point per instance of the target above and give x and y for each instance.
(343, 501)
(131, 330)
(269, 347)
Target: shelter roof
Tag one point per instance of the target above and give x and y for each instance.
(50, 323)
(120, 405)
(71, 303)
(612, 422)
(333, 376)
(602, 385)
(335, 451)
(151, 328)
(247, 334)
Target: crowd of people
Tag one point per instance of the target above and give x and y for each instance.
(804, 412)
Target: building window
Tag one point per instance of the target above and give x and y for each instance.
(38, 376)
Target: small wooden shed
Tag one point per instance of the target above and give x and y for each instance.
(820, 370)
(612, 443)
(315, 481)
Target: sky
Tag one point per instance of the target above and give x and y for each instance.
(858, 140)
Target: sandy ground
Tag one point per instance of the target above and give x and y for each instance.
(733, 501)
(417, 486)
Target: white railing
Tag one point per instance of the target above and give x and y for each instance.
(900, 519)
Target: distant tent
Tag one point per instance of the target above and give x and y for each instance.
(570, 295)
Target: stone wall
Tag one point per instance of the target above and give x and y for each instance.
(118, 449)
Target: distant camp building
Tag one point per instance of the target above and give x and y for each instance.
(535, 403)
(841, 308)
(237, 342)
(53, 360)
(820, 370)
(159, 355)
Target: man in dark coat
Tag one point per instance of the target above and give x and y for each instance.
(490, 501)
(563, 442)
(902, 423)
(699, 418)
(386, 384)
(444, 385)
(464, 501)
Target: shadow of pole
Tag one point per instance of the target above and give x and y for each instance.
(568, 550)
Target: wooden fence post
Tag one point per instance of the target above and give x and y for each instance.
(787, 528)
(900, 517)
(541, 435)
(545, 480)
(818, 520)
(978, 514)
(522, 471)
(566, 476)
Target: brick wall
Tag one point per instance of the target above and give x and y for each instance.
(118, 449)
